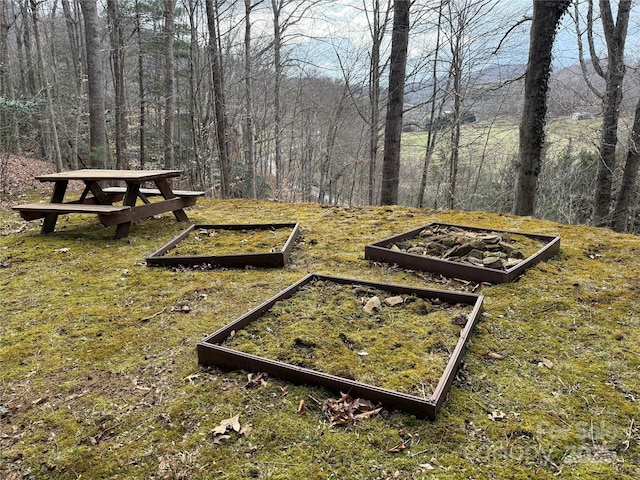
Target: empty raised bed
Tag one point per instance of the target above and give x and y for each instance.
(397, 345)
(233, 245)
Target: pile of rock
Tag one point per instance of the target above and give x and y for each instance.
(496, 250)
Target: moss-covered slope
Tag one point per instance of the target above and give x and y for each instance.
(99, 373)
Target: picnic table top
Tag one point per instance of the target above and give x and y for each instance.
(103, 174)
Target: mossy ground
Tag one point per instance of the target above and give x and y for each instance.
(100, 376)
(225, 241)
(324, 327)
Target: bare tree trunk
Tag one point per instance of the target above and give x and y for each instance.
(169, 83)
(395, 104)
(431, 131)
(57, 156)
(99, 153)
(621, 211)
(220, 105)
(324, 187)
(117, 58)
(277, 86)
(249, 133)
(546, 16)
(141, 89)
(196, 170)
(615, 35)
(377, 27)
(30, 73)
(73, 34)
(8, 120)
(454, 143)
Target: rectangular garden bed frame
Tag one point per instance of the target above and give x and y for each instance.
(379, 252)
(212, 353)
(237, 260)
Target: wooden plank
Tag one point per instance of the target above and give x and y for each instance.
(97, 175)
(148, 210)
(153, 191)
(167, 194)
(44, 208)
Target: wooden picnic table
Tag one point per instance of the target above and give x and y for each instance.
(100, 200)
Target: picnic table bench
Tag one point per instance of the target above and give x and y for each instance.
(99, 200)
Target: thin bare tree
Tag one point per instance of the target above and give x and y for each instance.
(395, 103)
(99, 152)
(615, 34)
(169, 83)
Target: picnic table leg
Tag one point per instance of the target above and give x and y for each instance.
(130, 197)
(167, 193)
(50, 219)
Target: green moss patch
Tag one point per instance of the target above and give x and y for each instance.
(100, 375)
(224, 241)
(397, 342)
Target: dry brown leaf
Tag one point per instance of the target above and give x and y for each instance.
(346, 410)
(181, 309)
(398, 448)
(190, 378)
(257, 380)
(495, 356)
(217, 439)
(497, 416)
(368, 414)
(547, 363)
(232, 423)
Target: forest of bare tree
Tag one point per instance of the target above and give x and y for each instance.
(434, 103)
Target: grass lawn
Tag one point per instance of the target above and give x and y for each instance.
(100, 379)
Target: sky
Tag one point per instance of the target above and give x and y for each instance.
(340, 28)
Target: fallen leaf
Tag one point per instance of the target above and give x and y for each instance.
(257, 380)
(398, 448)
(546, 363)
(191, 378)
(427, 466)
(346, 410)
(301, 408)
(363, 353)
(181, 309)
(246, 429)
(497, 416)
(369, 414)
(218, 438)
(232, 423)
(495, 356)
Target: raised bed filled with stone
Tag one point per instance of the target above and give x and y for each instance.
(229, 245)
(463, 252)
(397, 345)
